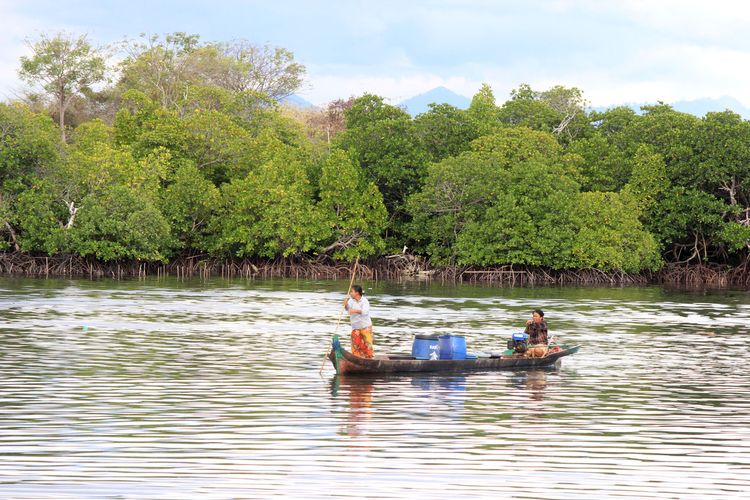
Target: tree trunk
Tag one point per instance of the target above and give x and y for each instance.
(61, 108)
(62, 123)
(73, 210)
(12, 236)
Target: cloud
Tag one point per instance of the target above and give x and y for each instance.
(627, 51)
(616, 52)
(17, 28)
(395, 88)
(718, 21)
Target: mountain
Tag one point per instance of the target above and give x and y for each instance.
(700, 107)
(696, 107)
(295, 100)
(440, 95)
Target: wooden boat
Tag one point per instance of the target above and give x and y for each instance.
(347, 363)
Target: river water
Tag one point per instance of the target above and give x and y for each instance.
(211, 389)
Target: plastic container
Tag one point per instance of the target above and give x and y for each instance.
(452, 347)
(424, 346)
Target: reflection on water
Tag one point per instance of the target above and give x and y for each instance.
(168, 389)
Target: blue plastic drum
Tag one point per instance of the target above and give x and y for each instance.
(424, 346)
(452, 347)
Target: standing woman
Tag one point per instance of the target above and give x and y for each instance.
(359, 313)
(536, 327)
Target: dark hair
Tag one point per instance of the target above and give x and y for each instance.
(358, 289)
(539, 312)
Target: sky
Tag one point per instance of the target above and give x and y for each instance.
(616, 52)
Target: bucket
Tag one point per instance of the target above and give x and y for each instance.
(423, 346)
(452, 347)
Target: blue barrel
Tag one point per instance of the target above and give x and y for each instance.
(424, 345)
(452, 347)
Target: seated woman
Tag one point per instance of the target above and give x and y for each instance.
(536, 328)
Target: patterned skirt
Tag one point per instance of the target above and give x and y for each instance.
(362, 342)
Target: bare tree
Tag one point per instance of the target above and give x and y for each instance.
(267, 70)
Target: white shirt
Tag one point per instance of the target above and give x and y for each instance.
(361, 320)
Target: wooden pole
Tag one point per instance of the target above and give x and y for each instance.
(341, 314)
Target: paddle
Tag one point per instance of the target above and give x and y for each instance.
(338, 323)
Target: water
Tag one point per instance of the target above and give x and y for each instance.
(178, 390)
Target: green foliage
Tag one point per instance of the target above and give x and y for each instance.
(605, 167)
(514, 201)
(160, 68)
(118, 222)
(483, 111)
(670, 133)
(269, 213)
(529, 224)
(648, 179)
(501, 235)
(684, 219)
(722, 150)
(29, 143)
(445, 131)
(266, 70)
(381, 138)
(29, 148)
(352, 207)
(39, 214)
(493, 205)
(199, 156)
(613, 122)
(516, 145)
(456, 190)
(734, 236)
(64, 66)
(115, 196)
(609, 235)
(558, 109)
(169, 69)
(188, 203)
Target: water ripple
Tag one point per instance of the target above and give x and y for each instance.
(168, 389)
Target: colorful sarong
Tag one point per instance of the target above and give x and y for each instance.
(362, 342)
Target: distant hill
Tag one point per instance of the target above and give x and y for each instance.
(298, 101)
(700, 107)
(697, 107)
(440, 95)
(420, 103)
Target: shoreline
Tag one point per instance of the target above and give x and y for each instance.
(392, 267)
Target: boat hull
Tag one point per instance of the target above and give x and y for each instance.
(347, 363)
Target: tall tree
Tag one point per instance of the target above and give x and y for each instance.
(65, 66)
(169, 68)
(382, 139)
(558, 109)
(354, 209)
(445, 131)
(159, 67)
(28, 149)
(271, 71)
(483, 111)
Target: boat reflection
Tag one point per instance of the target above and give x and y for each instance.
(421, 391)
(359, 392)
(533, 381)
(446, 395)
